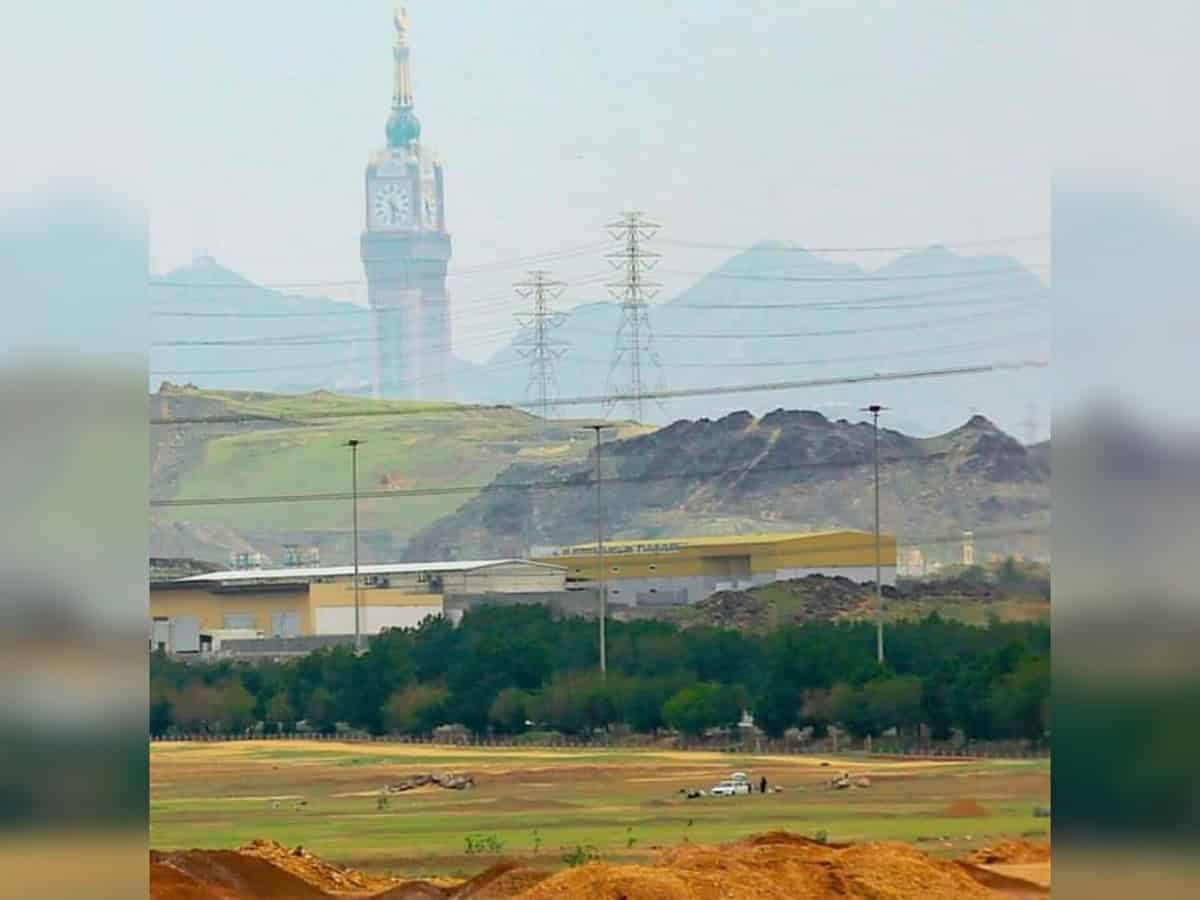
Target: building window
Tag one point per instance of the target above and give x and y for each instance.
(239, 620)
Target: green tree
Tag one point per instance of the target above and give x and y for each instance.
(1020, 700)
(236, 707)
(777, 706)
(580, 702)
(696, 709)
(643, 702)
(893, 703)
(416, 709)
(1009, 574)
(817, 710)
(160, 706)
(280, 712)
(510, 710)
(847, 707)
(197, 707)
(320, 712)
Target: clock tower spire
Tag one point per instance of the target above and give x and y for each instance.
(406, 248)
(403, 127)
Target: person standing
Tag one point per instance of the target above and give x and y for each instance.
(762, 785)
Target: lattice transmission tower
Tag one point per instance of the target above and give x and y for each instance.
(633, 353)
(536, 341)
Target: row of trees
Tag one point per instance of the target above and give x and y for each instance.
(509, 669)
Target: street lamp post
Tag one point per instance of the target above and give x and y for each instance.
(353, 445)
(875, 409)
(600, 553)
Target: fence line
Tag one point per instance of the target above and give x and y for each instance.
(758, 746)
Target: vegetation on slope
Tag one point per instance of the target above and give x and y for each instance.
(296, 445)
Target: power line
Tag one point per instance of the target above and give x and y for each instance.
(776, 335)
(918, 374)
(893, 354)
(789, 247)
(483, 268)
(326, 339)
(234, 314)
(536, 342)
(835, 279)
(586, 484)
(293, 367)
(635, 337)
(840, 301)
(863, 306)
(450, 490)
(425, 409)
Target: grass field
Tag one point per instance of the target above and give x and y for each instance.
(422, 445)
(542, 804)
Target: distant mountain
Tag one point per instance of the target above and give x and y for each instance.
(786, 471)
(214, 328)
(777, 312)
(772, 313)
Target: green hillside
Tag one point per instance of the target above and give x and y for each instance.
(298, 448)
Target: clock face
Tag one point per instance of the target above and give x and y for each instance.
(392, 205)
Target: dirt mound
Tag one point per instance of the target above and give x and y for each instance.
(768, 838)
(325, 875)
(414, 890)
(501, 881)
(780, 869)
(225, 875)
(965, 809)
(171, 884)
(824, 598)
(600, 881)
(1004, 884)
(733, 609)
(1014, 851)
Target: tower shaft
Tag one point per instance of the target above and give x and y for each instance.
(406, 249)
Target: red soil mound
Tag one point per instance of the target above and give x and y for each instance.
(325, 875)
(1010, 852)
(767, 838)
(414, 890)
(170, 884)
(965, 809)
(781, 870)
(226, 875)
(771, 866)
(499, 882)
(1005, 885)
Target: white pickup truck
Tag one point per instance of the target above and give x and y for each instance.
(737, 783)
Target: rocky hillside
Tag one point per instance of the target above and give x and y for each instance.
(786, 471)
(237, 444)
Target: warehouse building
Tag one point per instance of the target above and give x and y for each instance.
(199, 613)
(678, 571)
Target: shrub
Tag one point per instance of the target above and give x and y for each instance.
(583, 853)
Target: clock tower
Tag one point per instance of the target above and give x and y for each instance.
(405, 250)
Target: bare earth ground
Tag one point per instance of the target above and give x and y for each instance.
(539, 805)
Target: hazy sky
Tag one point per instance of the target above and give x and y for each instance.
(244, 127)
(825, 123)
